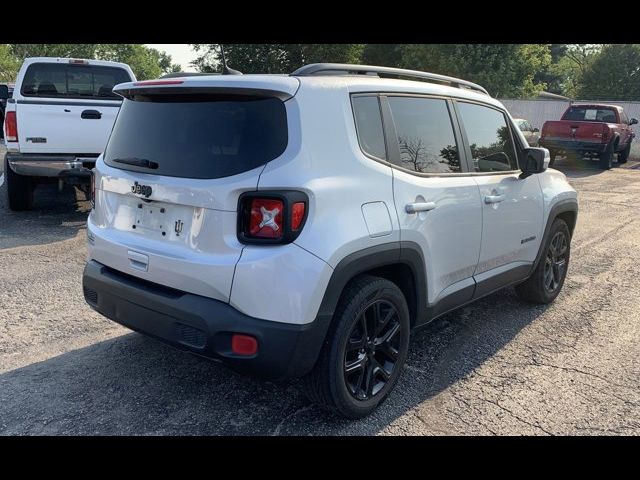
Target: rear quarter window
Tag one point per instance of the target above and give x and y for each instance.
(198, 136)
(59, 80)
(591, 114)
(366, 110)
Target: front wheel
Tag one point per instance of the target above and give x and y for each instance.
(544, 285)
(365, 349)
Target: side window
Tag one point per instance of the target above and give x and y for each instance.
(369, 126)
(624, 118)
(489, 137)
(425, 135)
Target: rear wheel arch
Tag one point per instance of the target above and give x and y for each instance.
(616, 142)
(399, 262)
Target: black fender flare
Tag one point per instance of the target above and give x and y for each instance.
(405, 253)
(615, 142)
(562, 206)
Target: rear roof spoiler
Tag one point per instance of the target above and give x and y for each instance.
(282, 87)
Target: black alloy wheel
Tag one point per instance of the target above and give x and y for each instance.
(555, 262)
(372, 350)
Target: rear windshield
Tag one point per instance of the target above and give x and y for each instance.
(197, 136)
(590, 114)
(58, 80)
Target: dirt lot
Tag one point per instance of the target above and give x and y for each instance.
(496, 367)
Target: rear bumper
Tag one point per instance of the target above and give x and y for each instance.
(573, 146)
(51, 165)
(202, 325)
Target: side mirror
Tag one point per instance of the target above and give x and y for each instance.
(536, 130)
(633, 121)
(535, 160)
(4, 92)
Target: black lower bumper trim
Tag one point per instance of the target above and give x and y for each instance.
(202, 325)
(573, 146)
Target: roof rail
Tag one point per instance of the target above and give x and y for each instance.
(350, 69)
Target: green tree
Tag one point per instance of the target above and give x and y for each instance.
(613, 75)
(8, 64)
(144, 61)
(582, 55)
(572, 65)
(384, 54)
(553, 76)
(505, 70)
(273, 58)
(66, 50)
(302, 54)
(166, 62)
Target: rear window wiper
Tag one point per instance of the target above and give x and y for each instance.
(138, 162)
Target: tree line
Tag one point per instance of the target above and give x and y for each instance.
(145, 62)
(578, 71)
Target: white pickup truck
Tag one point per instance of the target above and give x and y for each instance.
(58, 121)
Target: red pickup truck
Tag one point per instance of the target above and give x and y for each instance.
(596, 130)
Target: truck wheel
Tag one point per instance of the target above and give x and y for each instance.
(19, 189)
(623, 156)
(365, 349)
(606, 158)
(552, 156)
(546, 281)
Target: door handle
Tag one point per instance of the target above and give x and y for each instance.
(489, 199)
(419, 207)
(91, 115)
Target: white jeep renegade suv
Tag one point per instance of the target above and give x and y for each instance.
(303, 225)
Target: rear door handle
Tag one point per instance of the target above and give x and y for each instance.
(91, 115)
(489, 199)
(419, 207)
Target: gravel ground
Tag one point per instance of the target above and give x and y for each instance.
(498, 366)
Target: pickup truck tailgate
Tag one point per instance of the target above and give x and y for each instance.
(570, 130)
(67, 126)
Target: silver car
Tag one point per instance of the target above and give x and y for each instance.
(530, 133)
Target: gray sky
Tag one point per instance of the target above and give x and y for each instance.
(180, 53)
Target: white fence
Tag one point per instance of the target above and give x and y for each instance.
(539, 111)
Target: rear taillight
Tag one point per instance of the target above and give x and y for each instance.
(271, 217)
(11, 127)
(265, 218)
(297, 215)
(605, 133)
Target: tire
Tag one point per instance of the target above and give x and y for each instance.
(552, 156)
(536, 288)
(606, 158)
(623, 156)
(356, 394)
(19, 189)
